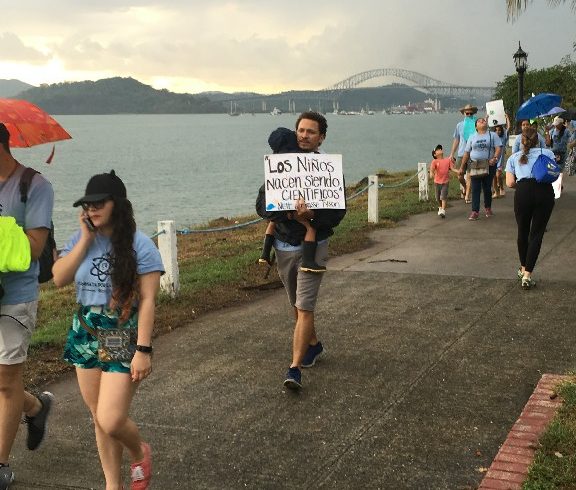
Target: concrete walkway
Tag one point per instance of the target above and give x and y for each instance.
(433, 351)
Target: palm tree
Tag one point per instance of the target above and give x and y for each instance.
(515, 7)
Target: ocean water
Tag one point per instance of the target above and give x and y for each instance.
(193, 168)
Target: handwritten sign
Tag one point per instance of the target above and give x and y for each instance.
(315, 177)
(495, 113)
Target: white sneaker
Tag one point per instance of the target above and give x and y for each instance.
(442, 213)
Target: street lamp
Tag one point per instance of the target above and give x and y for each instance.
(521, 62)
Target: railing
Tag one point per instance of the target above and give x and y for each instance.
(167, 232)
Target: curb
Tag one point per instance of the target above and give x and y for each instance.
(510, 466)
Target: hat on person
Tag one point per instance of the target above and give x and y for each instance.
(101, 187)
(438, 147)
(469, 107)
(557, 121)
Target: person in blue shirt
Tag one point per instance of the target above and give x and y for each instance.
(116, 271)
(464, 129)
(557, 139)
(498, 183)
(525, 124)
(533, 203)
(482, 148)
(19, 305)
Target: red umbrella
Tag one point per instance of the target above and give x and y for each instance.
(28, 124)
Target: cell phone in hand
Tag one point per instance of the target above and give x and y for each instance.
(89, 223)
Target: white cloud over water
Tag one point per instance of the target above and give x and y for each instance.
(264, 46)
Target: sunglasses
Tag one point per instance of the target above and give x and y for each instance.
(469, 113)
(94, 205)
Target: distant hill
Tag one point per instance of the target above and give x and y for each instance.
(10, 88)
(116, 96)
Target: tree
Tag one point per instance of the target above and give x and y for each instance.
(560, 79)
(515, 7)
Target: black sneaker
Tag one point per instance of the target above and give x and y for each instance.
(6, 476)
(313, 354)
(37, 424)
(293, 379)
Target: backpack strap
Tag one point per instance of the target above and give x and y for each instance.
(25, 181)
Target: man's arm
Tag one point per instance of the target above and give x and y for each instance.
(37, 238)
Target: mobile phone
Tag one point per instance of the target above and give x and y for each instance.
(89, 223)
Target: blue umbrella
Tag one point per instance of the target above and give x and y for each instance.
(554, 111)
(538, 105)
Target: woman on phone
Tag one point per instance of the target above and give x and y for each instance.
(116, 270)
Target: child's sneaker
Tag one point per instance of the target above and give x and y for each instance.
(473, 216)
(265, 258)
(308, 258)
(141, 473)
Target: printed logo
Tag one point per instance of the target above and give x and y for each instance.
(101, 267)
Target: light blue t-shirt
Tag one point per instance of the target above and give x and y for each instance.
(504, 140)
(518, 142)
(22, 287)
(524, 170)
(559, 142)
(483, 146)
(459, 134)
(92, 279)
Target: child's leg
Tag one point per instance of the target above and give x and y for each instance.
(267, 246)
(309, 252)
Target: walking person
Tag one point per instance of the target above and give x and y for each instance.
(116, 271)
(498, 182)
(482, 152)
(289, 234)
(533, 203)
(440, 168)
(557, 140)
(525, 124)
(464, 129)
(19, 304)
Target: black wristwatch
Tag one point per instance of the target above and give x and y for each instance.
(147, 349)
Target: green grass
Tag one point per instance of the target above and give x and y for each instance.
(212, 264)
(554, 465)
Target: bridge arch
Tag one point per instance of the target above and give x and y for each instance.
(421, 81)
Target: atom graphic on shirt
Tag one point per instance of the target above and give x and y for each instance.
(101, 267)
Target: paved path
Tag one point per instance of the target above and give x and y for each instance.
(433, 351)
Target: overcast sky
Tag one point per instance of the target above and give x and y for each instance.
(269, 46)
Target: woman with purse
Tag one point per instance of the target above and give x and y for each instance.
(480, 158)
(116, 270)
(533, 203)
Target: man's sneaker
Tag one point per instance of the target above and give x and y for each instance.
(488, 212)
(313, 354)
(37, 424)
(6, 476)
(442, 213)
(141, 473)
(473, 216)
(528, 283)
(439, 211)
(293, 379)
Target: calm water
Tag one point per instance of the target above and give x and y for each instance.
(192, 168)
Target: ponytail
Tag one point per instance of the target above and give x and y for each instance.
(529, 141)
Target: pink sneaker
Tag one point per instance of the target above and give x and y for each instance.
(473, 216)
(141, 473)
(489, 212)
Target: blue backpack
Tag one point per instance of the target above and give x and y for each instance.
(545, 169)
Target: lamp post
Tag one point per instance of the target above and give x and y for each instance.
(521, 62)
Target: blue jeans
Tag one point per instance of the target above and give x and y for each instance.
(484, 184)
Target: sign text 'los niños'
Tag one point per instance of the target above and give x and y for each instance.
(315, 177)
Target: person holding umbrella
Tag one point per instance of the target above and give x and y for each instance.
(18, 307)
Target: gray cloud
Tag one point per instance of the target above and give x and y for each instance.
(13, 49)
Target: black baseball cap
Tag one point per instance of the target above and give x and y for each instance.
(438, 147)
(101, 187)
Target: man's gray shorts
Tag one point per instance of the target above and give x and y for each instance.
(302, 287)
(17, 322)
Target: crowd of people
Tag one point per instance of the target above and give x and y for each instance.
(478, 155)
(116, 271)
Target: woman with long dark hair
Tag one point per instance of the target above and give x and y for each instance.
(533, 203)
(116, 270)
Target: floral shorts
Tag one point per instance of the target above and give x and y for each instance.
(81, 349)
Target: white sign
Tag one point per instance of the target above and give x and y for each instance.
(315, 177)
(495, 113)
